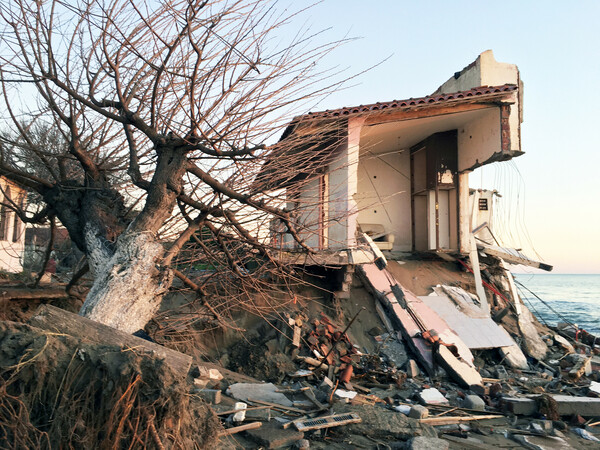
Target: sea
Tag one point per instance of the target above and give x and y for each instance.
(563, 298)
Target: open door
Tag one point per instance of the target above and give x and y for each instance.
(434, 193)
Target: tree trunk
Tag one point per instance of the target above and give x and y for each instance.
(129, 285)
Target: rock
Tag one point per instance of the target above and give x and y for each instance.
(272, 436)
(432, 396)
(303, 444)
(418, 412)
(474, 402)
(412, 369)
(428, 443)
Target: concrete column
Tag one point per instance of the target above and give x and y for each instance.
(343, 184)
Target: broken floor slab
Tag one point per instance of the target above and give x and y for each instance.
(265, 392)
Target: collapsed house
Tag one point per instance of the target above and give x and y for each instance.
(390, 181)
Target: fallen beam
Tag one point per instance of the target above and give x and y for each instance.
(32, 294)
(50, 318)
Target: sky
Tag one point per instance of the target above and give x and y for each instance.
(553, 188)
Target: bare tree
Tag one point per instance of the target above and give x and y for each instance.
(163, 109)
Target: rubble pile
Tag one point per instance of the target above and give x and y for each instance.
(341, 395)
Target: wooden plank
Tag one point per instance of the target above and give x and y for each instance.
(247, 426)
(279, 407)
(455, 420)
(513, 257)
(319, 423)
(50, 318)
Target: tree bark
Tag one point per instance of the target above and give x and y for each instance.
(129, 285)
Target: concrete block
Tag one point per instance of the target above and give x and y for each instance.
(272, 436)
(501, 372)
(209, 395)
(520, 406)
(474, 402)
(428, 443)
(584, 406)
(418, 412)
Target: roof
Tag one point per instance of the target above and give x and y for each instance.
(482, 92)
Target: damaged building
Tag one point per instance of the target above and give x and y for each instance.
(382, 184)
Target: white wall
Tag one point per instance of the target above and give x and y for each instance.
(11, 251)
(383, 195)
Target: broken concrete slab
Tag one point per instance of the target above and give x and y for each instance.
(381, 423)
(432, 396)
(265, 392)
(208, 373)
(514, 357)
(412, 369)
(567, 405)
(271, 436)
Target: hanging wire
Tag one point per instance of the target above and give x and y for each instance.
(559, 315)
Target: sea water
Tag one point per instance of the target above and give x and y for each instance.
(564, 298)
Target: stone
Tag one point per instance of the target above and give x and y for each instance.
(412, 369)
(265, 392)
(428, 443)
(432, 396)
(474, 402)
(272, 436)
(418, 412)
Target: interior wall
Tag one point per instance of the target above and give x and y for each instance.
(383, 195)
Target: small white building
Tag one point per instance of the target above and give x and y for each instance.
(12, 229)
(399, 170)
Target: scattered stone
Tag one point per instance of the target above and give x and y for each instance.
(271, 436)
(474, 402)
(428, 443)
(418, 412)
(432, 396)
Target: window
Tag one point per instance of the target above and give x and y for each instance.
(5, 216)
(483, 204)
(17, 221)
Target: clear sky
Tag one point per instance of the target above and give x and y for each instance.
(555, 45)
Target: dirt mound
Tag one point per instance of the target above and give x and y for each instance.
(57, 392)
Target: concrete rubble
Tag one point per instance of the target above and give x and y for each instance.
(347, 394)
